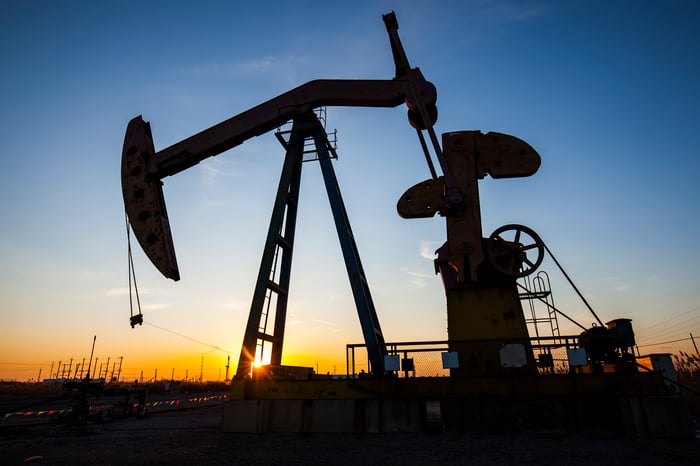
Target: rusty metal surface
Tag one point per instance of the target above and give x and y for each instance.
(143, 199)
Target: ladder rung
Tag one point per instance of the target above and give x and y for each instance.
(539, 319)
(267, 337)
(534, 295)
(291, 201)
(284, 242)
(276, 288)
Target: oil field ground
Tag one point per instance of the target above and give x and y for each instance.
(193, 436)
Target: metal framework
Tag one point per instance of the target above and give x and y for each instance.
(272, 286)
(496, 381)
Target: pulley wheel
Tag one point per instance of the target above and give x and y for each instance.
(507, 250)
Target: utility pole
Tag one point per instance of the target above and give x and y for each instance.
(119, 372)
(696, 346)
(92, 352)
(201, 370)
(228, 363)
(38, 379)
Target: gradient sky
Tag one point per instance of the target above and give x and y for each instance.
(606, 92)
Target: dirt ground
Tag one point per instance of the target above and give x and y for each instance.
(194, 437)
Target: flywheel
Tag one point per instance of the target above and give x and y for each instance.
(515, 250)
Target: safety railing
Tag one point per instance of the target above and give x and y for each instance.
(425, 358)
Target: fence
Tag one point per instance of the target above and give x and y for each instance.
(425, 359)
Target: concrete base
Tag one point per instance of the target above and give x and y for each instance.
(361, 415)
(657, 416)
(635, 404)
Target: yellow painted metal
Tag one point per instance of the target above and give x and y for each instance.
(484, 314)
(470, 156)
(481, 320)
(463, 213)
(522, 387)
(237, 389)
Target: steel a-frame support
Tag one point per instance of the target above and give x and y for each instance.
(272, 286)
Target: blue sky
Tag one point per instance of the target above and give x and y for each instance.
(606, 92)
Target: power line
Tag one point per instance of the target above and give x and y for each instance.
(676, 333)
(664, 342)
(664, 319)
(213, 347)
(668, 326)
(665, 322)
(671, 326)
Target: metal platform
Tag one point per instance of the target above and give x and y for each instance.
(617, 404)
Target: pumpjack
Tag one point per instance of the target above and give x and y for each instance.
(495, 381)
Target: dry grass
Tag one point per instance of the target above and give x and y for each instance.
(688, 369)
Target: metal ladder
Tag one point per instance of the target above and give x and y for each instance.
(272, 286)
